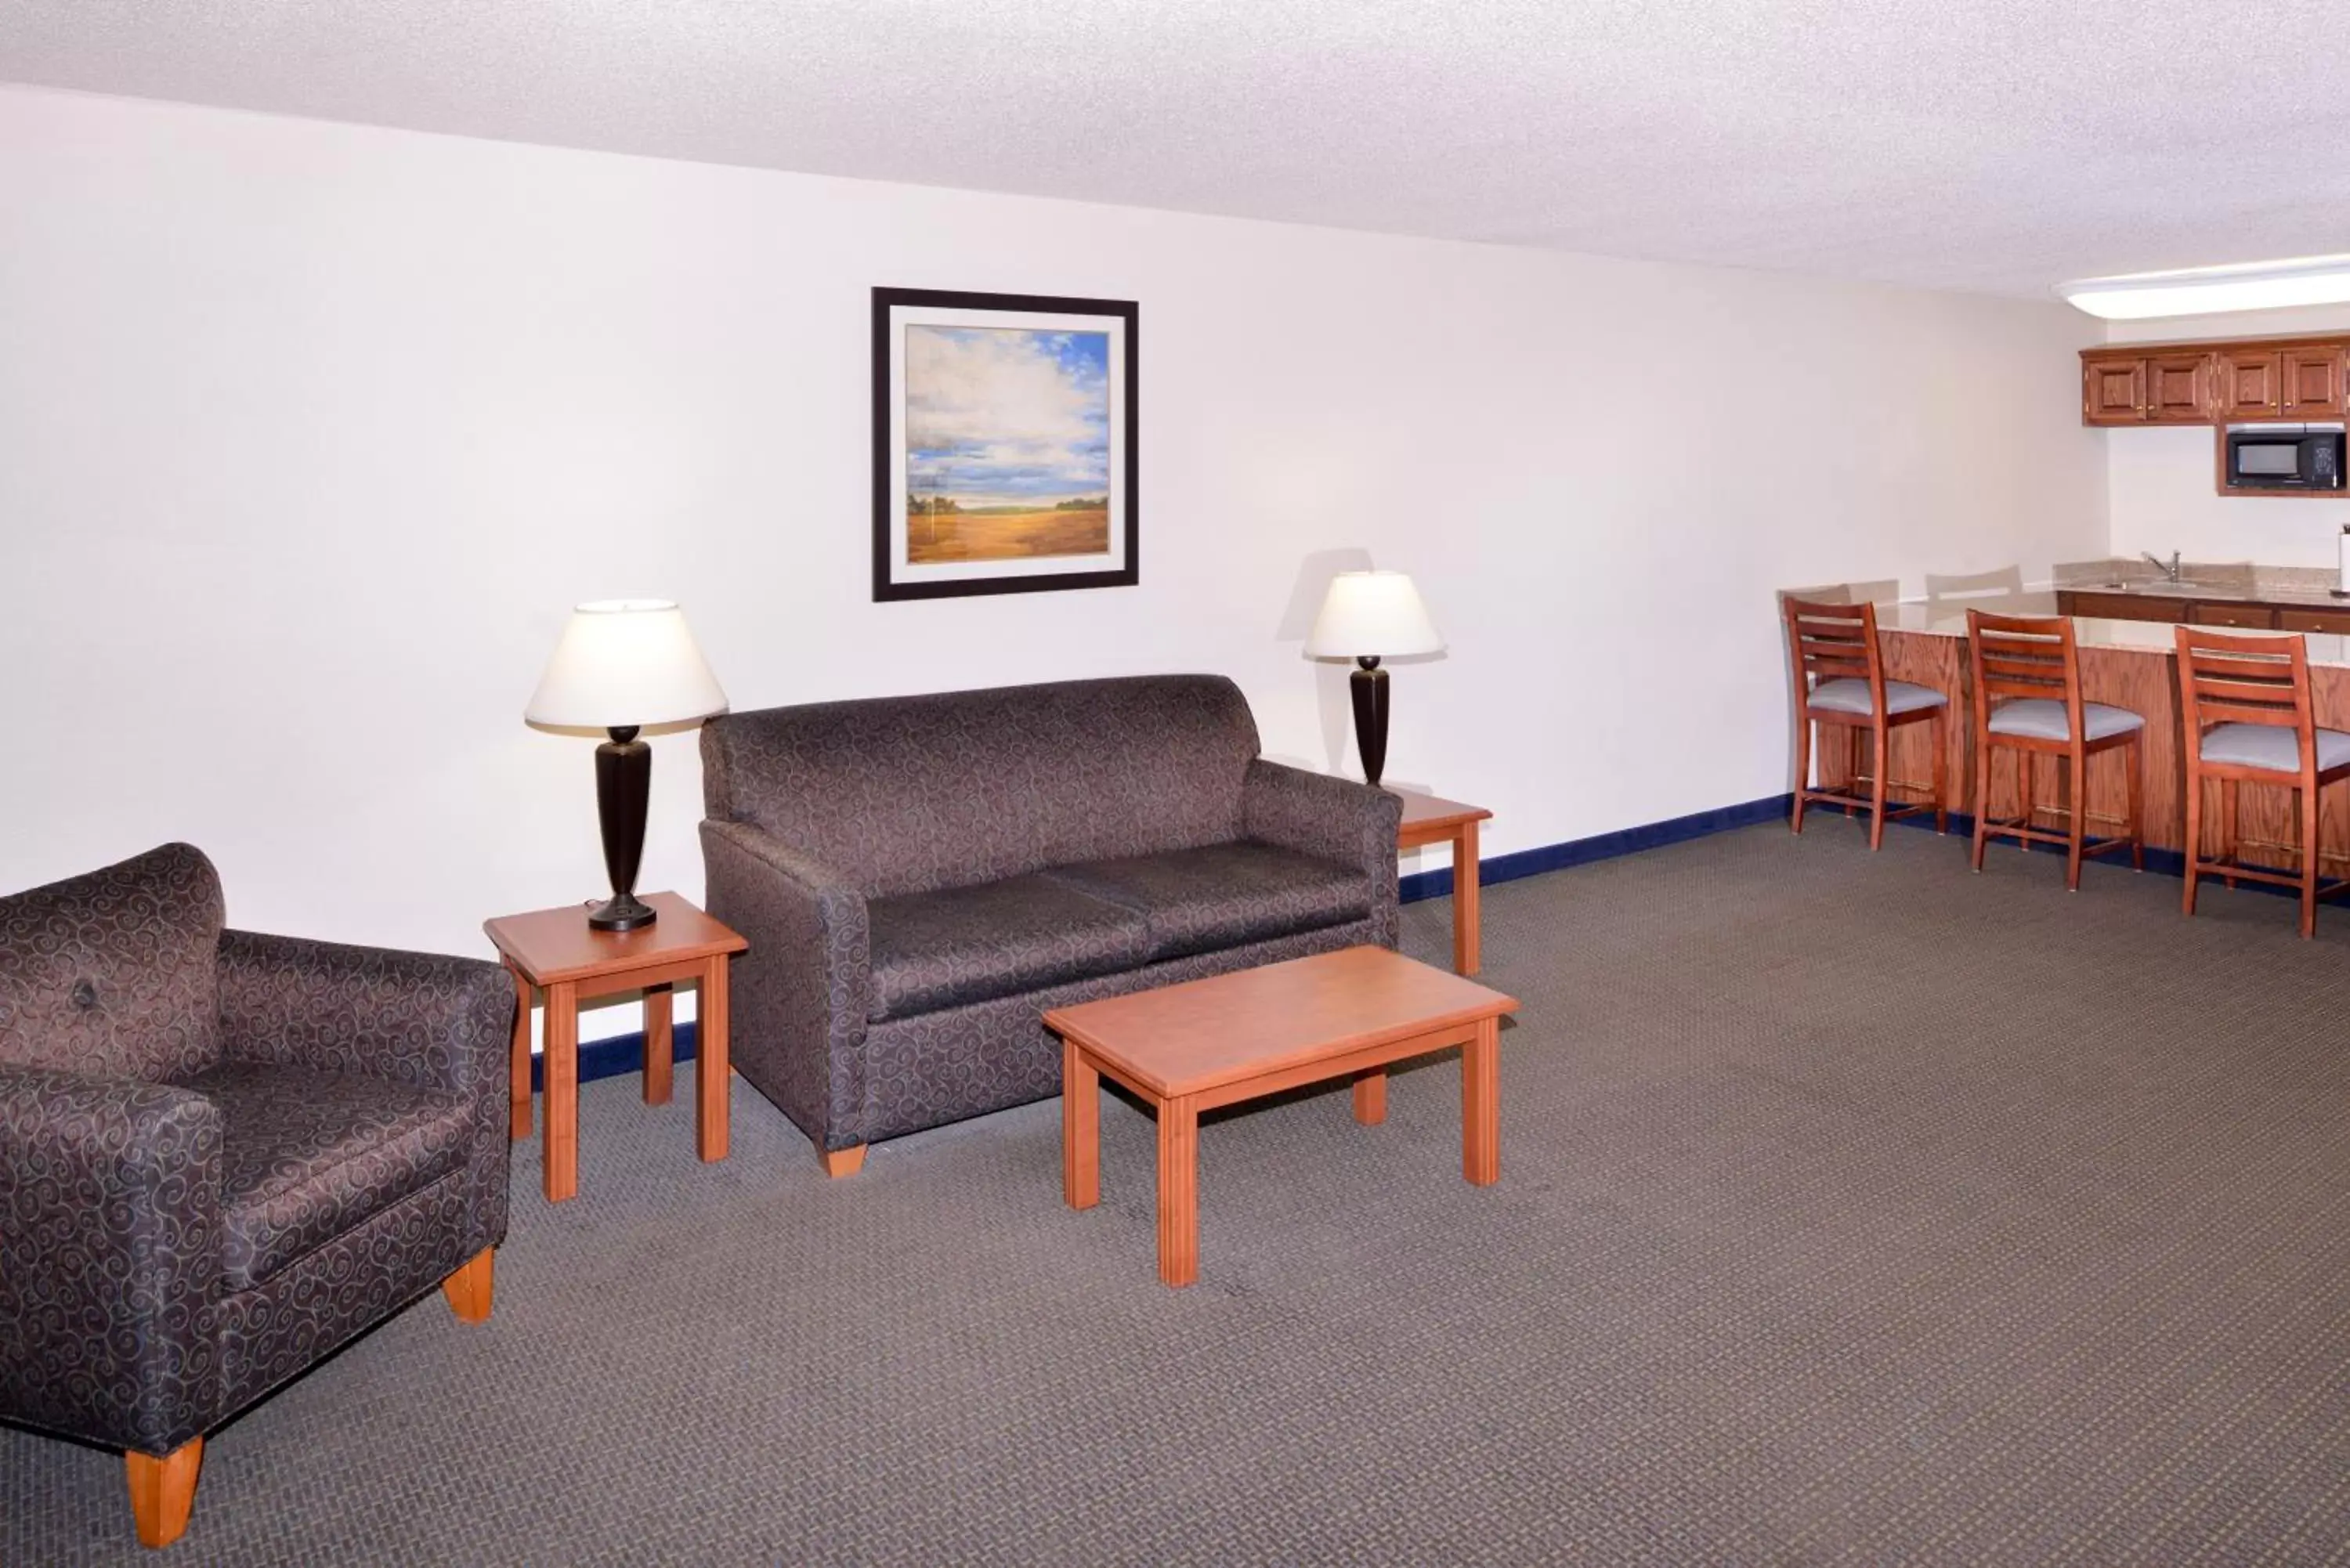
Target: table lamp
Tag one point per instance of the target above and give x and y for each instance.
(621, 665)
(1369, 616)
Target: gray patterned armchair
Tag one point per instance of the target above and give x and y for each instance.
(921, 878)
(223, 1156)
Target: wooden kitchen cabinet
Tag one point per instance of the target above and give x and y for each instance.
(2335, 621)
(2113, 391)
(2179, 388)
(2311, 379)
(2250, 385)
(2250, 618)
(2119, 607)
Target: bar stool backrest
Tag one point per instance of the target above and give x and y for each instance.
(1834, 642)
(2025, 656)
(2230, 679)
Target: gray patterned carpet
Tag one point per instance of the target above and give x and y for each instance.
(1853, 1210)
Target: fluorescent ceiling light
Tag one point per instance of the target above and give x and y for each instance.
(2205, 290)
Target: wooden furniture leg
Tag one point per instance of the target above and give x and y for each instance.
(1941, 724)
(713, 1071)
(658, 1045)
(1884, 733)
(1178, 1190)
(2134, 758)
(163, 1490)
(562, 1064)
(2194, 840)
(1371, 1096)
(2023, 782)
(1481, 1105)
(1080, 1129)
(1465, 912)
(842, 1161)
(519, 1074)
(469, 1288)
(2229, 822)
(2305, 801)
(2077, 824)
(1803, 768)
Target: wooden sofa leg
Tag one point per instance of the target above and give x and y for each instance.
(163, 1490)
(842, 1161)
(468, 1289)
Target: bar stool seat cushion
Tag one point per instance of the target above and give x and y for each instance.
(2272, 746)
(1849, 694)
(2042, 719)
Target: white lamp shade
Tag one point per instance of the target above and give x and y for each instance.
(1372, 615)
(621, 662)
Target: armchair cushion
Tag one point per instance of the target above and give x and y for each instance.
(1222, 894)
(961, 945)
(307, 1155)
(112, 973)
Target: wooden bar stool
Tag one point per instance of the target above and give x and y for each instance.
(2243, 704)
(2027, 672)
(1839, 682)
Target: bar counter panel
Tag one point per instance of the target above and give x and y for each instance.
(2129, 664)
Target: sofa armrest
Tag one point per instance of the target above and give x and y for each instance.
(802, 993)
(1336, 819)
(109, 1256)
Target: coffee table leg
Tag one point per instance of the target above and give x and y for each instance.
(657, 1044)
(1179, 1191)
(1371, 1096)
(518, 1117)
(1080, 1129)
(1481, 1105)
(562, 1149)
(714, 1072)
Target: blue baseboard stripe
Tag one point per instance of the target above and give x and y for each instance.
(1602, 846)
(620, 1055)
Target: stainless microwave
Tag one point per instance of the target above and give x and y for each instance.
(2284, 457)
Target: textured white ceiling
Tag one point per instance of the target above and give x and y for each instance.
(1995, 145)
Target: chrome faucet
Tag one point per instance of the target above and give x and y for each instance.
(2170, 567)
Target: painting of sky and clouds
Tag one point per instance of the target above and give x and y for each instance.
(1008, 443)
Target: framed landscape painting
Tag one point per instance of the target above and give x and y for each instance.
(1003, 444)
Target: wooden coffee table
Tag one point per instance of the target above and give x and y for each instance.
(1207, 1042)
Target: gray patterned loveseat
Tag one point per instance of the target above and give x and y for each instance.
(921, 878)
(223, 1156)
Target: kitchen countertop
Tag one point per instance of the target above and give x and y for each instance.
(1947, 617)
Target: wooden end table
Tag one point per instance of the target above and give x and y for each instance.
(557, 952)
(1191, 1047)
(1427, 820)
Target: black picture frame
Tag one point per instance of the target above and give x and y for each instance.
(1125, 493)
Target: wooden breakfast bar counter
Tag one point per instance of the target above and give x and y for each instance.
(2130, 663)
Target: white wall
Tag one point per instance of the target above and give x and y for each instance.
(309, 435)
(2160, 482)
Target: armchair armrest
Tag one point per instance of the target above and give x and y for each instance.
(1334, 818)
(803, 991)
(109, 1255)
(425, 1019)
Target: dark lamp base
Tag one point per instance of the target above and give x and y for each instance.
(622, 912)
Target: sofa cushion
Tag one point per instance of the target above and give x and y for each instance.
(1195, 901)
(307, 1155)
(961, 945)
(911, 794)
(113, 972)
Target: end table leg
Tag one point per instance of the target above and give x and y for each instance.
(562, 1145)
(1080, 1129)
(712, 1069)
(657, 1044)
(1465, 912)
(1179, 1191)
(1371, 1096)
(1481, 1105)
(518, 1121)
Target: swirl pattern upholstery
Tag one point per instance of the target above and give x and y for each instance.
(214, 1173)
(920, 877)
